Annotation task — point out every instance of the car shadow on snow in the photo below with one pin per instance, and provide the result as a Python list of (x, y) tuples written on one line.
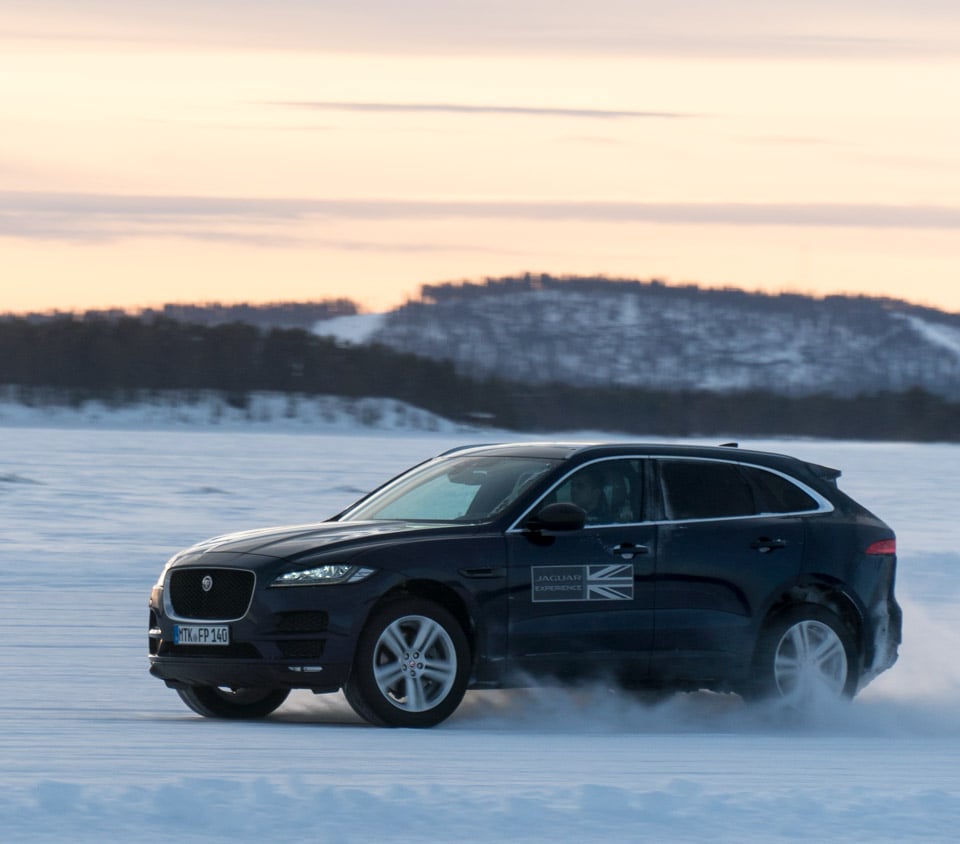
[(584, 710), (605, 710)]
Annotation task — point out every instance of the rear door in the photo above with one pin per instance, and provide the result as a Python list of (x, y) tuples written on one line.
[(730, 541)]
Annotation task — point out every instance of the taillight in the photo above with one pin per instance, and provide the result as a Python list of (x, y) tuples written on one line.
[(883, 546)]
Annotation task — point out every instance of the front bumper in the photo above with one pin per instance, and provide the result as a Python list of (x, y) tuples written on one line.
[(287, 638), (241, 674)]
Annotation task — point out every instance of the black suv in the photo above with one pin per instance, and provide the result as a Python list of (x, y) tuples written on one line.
[(649, 566)]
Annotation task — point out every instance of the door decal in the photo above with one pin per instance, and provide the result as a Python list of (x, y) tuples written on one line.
[(582, 583)]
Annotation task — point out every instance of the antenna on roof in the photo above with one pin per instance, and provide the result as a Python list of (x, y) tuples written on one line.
[(729, 445)]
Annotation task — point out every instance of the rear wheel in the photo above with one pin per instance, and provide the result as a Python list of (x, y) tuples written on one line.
[(806, 656), (412, 666), (216, 702)]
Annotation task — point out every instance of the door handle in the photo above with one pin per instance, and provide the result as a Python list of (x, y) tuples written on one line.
[(627, 550), (483, 572), (765, 545)]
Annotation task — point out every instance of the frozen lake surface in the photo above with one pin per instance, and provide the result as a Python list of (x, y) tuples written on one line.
[(93, 749)]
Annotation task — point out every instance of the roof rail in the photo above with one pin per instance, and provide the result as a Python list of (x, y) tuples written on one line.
[(457, 448)]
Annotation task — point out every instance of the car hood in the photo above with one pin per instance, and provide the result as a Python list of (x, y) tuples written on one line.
[(289, 541)]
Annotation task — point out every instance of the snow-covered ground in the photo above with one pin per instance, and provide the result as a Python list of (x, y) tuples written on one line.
[(92, 749)]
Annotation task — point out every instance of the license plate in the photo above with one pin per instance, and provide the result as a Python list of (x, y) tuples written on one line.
[(201, 634)]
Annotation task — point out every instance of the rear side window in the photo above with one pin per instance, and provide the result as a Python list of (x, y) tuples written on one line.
[(775, 494), (695, 489), (702, 489)]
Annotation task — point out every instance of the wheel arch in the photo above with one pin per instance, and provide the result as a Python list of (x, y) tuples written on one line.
[(829, 595), (440, 594)]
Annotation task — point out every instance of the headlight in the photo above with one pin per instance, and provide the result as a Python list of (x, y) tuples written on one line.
[(323, 575)]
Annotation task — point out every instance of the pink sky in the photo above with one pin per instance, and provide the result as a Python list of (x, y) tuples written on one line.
[(301, 150)]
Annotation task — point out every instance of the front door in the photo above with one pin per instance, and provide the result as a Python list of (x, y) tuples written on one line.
[(581, 602)]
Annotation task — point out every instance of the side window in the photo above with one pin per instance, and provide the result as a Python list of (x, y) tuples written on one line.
[(775, 494), (701, 489), (611, 491)]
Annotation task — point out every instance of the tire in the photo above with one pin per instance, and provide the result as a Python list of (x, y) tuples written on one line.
[(806, 656), (214, 702), (412, 666)]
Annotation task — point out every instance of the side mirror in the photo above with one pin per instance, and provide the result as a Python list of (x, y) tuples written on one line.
[(560, 516)]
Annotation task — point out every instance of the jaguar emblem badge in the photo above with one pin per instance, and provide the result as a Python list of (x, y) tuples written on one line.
[(207, 583)]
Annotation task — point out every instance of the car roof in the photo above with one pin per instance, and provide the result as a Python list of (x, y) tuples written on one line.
[(585, 451), (571, 448)]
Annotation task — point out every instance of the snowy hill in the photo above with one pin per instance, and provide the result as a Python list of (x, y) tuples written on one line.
[(210, 409), (646, 334)]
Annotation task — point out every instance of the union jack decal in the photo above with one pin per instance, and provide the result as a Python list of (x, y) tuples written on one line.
[(610, 583), (582, 583)]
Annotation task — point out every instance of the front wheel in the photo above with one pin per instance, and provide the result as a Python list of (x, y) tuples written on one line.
[(806, 656), (412, 666), (215, 702)]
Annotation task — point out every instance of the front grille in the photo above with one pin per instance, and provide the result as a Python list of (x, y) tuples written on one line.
[(227, 597)]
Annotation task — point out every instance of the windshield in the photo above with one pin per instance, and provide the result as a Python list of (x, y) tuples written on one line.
[(453, 489)]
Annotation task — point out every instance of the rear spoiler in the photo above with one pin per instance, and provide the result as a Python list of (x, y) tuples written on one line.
[(825, 473)]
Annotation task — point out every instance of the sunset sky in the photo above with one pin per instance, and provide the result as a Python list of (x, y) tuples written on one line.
[(219, 150)]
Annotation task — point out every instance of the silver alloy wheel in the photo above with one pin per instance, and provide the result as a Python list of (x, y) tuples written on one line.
[(415, 663), (810, 664)]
